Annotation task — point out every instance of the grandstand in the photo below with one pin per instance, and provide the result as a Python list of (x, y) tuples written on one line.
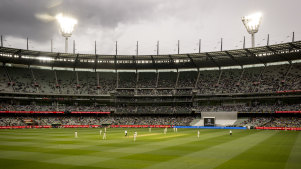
[(247, 81)]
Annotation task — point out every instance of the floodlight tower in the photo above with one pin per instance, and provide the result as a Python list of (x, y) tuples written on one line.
[(66, 27), (252, 23)]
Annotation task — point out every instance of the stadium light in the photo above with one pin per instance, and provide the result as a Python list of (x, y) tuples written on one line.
[(252, 23), (66, 27), (42, 58)]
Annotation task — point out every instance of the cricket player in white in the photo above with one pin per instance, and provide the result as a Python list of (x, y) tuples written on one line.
[(198, 133), (75, 134), (125, 133), (105, 129), (100, 132), (230, 132), (135, 135), (150, 129), (104, 137)]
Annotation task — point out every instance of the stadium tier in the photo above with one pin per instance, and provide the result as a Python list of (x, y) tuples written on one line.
[(267, 79), (83, 89)]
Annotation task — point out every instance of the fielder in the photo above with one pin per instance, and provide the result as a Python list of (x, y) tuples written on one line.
[(165, 130), (75, 134), (104, 137), (135, 135)]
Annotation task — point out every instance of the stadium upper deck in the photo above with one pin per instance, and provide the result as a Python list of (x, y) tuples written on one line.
[(258, 55)]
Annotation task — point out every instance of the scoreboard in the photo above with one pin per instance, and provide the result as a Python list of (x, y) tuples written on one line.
[(209, 121)]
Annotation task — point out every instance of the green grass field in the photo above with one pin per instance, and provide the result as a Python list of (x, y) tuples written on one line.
[(57, 148)]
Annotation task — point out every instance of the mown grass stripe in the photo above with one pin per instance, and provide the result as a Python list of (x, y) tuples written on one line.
[(145, 156), (59, 154), (216, 155), (59, 149), (294, 160), (142, 147), (13, 163), (176, 151), (276, 151), (122, 154)]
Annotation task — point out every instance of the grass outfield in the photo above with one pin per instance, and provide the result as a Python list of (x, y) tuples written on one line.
[(57, 148)]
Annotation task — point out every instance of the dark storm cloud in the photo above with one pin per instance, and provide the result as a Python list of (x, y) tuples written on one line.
[(108, 13), (17, 17), (147, 21)]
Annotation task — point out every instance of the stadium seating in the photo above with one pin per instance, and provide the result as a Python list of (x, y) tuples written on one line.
[(23, 80), (167, 80), (147, 80), (208, 81), (149, 93), (127, 80), (272, 122), (46, 81), (97, 120), (5, 83), (187, 79), (248, 80)]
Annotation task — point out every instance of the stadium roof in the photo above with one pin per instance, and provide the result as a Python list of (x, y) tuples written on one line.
[(258, 55)]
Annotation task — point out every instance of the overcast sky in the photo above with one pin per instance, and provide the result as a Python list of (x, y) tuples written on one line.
[(147, 21)]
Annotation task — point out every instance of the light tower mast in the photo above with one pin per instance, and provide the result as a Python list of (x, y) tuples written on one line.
[(66, 27), (252, 23)]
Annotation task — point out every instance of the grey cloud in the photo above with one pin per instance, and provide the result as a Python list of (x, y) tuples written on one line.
[(17, 17), (149, 20), (110, 13)]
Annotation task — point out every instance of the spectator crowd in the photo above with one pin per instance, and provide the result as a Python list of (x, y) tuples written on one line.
[(272, 122), (248, 80), (96, 120)]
